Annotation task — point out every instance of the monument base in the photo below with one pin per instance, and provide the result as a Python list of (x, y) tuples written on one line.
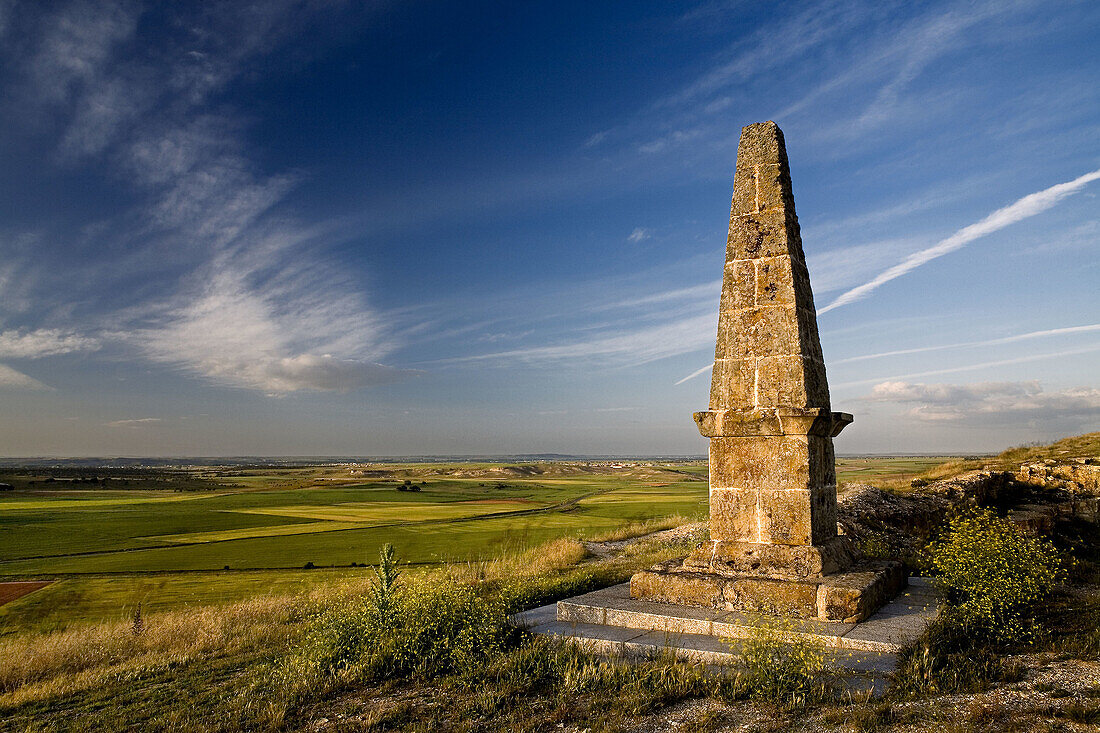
[(849, 596), (726, 557)]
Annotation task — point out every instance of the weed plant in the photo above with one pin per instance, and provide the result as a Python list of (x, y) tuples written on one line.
[(781, 666), (992, 573), (992, 576), (950, 658)]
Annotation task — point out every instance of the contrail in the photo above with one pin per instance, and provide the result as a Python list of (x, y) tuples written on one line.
[(990, 342), (695, 374), (972, 367), (965, 344), (1028, 206)]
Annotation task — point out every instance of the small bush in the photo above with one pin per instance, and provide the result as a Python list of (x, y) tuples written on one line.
[(423, 629), (992, 572), (1080, 711)]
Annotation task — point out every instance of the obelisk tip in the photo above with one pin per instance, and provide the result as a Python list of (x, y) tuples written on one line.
[(762, 144)]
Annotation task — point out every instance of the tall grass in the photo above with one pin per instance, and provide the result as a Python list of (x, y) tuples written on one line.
[(36, 666), (639, 529)]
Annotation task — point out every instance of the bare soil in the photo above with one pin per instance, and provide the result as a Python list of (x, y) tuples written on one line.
[(17, 589)]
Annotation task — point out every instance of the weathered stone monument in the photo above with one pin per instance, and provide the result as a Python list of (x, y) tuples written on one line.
[(774, 546)]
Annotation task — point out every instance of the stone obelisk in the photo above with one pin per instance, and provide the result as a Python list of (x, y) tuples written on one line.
[(774, 545)]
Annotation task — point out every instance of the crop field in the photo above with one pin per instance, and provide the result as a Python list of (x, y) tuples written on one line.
[(214, 536)]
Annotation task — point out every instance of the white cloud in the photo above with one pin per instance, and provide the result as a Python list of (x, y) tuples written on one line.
[(978, 367), (12, 379), (624, 346), (842, 267), (137, 422), (970, 344), (43, 342), (77, 43), (638, 235), (990, 402), (1019, 210), (257, 304), (694, 374), (268, 318)]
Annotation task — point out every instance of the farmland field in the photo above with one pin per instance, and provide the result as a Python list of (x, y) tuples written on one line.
[(222, 534)]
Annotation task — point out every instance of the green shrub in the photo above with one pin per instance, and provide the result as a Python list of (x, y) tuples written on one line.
[(422, 629), (992, 572)]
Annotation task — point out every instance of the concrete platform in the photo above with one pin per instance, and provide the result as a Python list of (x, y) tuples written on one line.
[(895, 624), (609, 621)]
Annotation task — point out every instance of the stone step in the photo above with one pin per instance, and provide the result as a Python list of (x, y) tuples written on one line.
[(631, 643), (896, 624)]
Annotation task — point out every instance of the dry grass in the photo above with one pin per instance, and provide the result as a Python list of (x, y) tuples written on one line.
[(638, 529), (553, 556), (37, 666), (1078, 446)]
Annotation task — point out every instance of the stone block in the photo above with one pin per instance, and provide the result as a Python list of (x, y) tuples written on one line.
[(760, 234), (790, 381), (773, 187), (765, 462), (822, 462), (786, 517), (776, 597), (774, 282), (848, 597), (738, 423), (731, 558), (764, 331), (823, 512), (854, 596), (739, 285), (809, 341), (733, 383), (800, 279), (689, 589), (761, 143), (744, 191), (734, 514)]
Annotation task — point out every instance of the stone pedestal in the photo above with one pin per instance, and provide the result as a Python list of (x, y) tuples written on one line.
[(774, 545)]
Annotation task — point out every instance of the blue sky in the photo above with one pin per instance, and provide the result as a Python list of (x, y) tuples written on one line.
[(324, 228)]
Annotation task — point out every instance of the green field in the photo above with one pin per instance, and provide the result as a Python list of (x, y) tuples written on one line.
[(222, 535)]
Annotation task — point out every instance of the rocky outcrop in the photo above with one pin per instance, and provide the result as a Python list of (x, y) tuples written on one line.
[(1079, 475), (887, 524)]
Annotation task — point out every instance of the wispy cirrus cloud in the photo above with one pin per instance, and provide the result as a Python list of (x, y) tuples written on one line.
[(43, 342), (253, 319), (978, 366), (14, 379), (624, 346), (1066, 331), (136, 422), (253, 300)]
